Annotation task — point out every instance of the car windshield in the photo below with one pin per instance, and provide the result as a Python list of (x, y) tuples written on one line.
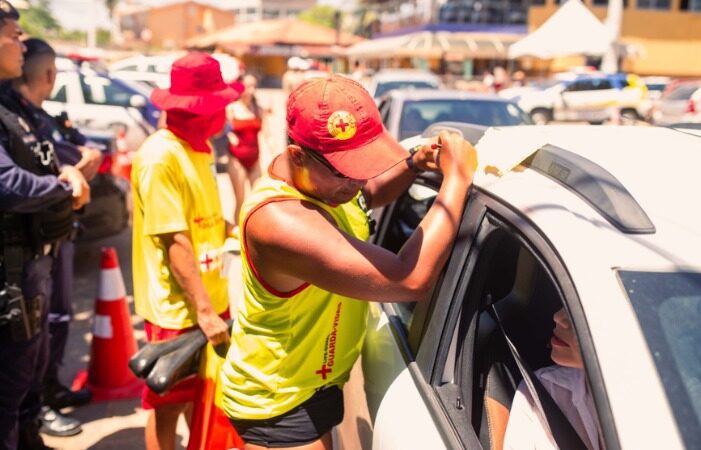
[(386, 86), (419, 114), (668, 307), (682, 92)]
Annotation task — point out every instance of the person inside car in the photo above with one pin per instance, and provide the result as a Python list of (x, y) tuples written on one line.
[(566, 382), (308, 270)]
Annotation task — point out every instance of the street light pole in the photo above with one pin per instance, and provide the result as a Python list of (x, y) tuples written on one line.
[(92, 30), (614, 19)]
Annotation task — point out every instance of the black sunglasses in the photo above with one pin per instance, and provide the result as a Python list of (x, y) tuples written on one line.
[(324, 162)]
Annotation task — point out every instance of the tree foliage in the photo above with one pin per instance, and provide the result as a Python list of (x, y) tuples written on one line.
[(319, 15), (38, 20)]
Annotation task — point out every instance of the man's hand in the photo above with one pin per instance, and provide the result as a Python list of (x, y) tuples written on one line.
[(455, 156), (89, 162), (81, 190), (214, 327)]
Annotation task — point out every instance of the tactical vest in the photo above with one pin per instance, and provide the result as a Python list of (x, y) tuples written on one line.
[(36, 156)]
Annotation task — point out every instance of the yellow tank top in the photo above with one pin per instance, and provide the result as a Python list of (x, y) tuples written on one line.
[(285, 346)]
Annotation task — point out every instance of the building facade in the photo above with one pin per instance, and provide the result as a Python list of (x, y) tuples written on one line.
[(255, 10)]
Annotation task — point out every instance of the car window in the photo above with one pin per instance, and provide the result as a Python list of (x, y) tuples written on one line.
[(419, 114), (400, 222), (386, 86), (132, 68), (103, 91), (384, 108), (681, 92), (668, 307), (59, 94)]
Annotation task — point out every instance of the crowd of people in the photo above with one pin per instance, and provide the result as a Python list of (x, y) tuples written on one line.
[(303, 224)]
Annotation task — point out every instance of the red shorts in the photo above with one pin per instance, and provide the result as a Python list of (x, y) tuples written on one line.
[(185, 390)]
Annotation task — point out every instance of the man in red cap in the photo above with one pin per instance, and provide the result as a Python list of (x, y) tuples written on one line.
[(179, 230), (307, 263)]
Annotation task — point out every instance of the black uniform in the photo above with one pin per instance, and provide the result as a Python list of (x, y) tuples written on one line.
[(36, 215)]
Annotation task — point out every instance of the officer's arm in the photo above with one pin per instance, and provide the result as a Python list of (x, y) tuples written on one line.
[(24, 192)]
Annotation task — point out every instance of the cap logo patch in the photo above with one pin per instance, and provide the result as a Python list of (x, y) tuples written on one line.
[(342, 125)]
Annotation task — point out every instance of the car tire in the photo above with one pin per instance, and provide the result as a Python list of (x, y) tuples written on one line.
[(629, 117), (541, 116)]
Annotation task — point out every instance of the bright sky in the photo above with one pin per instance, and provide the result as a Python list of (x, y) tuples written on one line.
[(72, 14)]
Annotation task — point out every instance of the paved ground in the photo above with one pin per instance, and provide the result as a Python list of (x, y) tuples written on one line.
[(119, 424)]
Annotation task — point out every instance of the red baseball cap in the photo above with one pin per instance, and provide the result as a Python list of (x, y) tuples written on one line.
[(196, 86), (336, 117)]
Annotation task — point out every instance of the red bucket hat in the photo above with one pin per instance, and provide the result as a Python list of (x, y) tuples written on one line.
[(337, 117), (196, 86)]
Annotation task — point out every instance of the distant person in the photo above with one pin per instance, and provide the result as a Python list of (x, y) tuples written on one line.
[(358, 72), (501, 79), (567, 384), (294, 75), (35, 85), (309, 270), (246, 119), (179, 229)]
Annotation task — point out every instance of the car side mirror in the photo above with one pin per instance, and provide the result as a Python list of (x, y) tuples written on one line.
[(137, 101)]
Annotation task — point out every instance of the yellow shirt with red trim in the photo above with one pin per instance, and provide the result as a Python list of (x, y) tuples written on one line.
[(287, 345), (175, 190)]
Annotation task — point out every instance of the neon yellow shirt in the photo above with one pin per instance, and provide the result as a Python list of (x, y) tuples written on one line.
[(175, 190), (287, 345)]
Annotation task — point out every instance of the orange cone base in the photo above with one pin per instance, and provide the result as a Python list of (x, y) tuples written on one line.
[(132, 389)]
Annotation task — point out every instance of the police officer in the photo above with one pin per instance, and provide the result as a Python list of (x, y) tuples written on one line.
[(33, 88), (36, 199)]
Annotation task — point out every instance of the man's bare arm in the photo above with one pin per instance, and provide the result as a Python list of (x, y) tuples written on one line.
[(291, 243), (183, 265)]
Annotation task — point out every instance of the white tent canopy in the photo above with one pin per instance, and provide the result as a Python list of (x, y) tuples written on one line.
[(572, 30)]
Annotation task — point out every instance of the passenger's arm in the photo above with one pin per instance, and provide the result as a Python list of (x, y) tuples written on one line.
[(290, 244), (183, 265)]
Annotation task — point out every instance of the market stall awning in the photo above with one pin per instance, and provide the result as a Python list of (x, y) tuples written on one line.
[(278, 32), (572, 30), (436, 44)]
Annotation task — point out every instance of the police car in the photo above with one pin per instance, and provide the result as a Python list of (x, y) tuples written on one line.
[(602, 221)]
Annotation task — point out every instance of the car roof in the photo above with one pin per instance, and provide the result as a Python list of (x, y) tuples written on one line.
[(441, 94), (656, 166), (404, 74)]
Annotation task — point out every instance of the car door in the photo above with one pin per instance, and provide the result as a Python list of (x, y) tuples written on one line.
[(589, 99), (66, 96), (513, 267), (426, 365), (398, 355)]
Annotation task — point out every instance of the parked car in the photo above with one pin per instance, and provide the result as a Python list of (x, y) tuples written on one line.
[(680, 103), (579, 225), (593, 98), (154, 70), (407, 113), (107, 213), (389, 79), (94, 100)]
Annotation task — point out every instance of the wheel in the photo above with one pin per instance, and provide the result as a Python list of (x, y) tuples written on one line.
[(629, 117), (540, 116)]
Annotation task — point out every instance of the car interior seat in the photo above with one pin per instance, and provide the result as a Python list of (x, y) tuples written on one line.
[(526, 300)]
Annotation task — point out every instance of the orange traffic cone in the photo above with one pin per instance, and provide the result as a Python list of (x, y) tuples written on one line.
[(113, 343), (122, 165)]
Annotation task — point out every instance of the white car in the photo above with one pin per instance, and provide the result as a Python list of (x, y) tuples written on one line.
[(593, 98), (388, 79), (155, 70), (601, 220), (94, 100)]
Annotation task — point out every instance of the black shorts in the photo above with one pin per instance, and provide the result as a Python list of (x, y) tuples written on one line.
[(302, 425)]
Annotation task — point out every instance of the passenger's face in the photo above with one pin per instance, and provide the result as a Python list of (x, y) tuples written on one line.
[(565, 348), (11, 50)]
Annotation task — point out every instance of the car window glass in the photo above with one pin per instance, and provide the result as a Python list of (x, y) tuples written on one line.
[(417, 115), (384, 108), (682, 93), (409, 209), (59, 93), (668, 307), (131, 68), (103, 91)]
